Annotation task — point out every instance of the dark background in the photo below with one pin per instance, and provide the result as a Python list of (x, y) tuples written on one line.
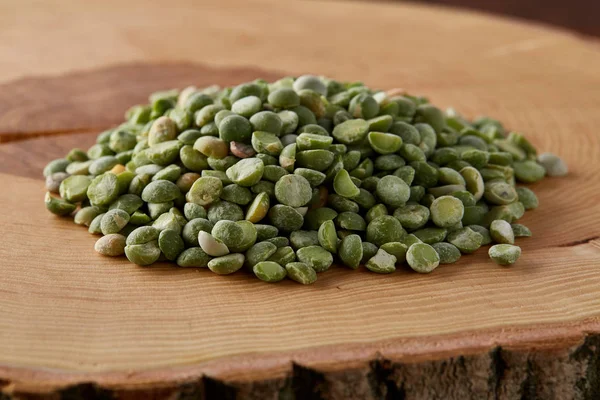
[(582, 16)]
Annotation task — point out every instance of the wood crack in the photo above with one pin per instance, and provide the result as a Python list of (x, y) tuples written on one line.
[(96, 98), (13, 137), (579, 242), (85, 391), (383, 386), (307, 383), (497, 367), (216, 389), (528, 386)]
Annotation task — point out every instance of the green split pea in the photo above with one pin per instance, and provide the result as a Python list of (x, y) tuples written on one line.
[(286, 179)]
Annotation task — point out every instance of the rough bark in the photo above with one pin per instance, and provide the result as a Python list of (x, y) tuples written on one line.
[(502, 374)]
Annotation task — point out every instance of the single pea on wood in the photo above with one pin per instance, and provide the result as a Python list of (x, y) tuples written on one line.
[(291, 177)]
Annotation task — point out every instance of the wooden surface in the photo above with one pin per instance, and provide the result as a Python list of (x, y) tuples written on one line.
[(76, 325), (579, 18)]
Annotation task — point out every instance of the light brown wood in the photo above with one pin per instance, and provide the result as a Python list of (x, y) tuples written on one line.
[(471, 330), (88, 101)]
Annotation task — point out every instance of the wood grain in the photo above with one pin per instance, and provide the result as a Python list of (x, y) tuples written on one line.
[(96, 100), (76, 325)]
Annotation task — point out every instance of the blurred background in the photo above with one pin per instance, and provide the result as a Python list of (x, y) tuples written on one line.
[(581, 16)]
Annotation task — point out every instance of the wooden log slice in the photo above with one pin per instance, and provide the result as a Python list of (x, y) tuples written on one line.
[(76, 325)]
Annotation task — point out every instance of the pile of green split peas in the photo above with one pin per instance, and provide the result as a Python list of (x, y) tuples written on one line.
[(285, 178)]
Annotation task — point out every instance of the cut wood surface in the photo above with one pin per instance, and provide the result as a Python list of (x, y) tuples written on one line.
[(74, 324)]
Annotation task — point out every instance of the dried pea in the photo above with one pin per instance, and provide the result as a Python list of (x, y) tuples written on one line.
[(527, 197), (502, 232), (343, 185), (236, 194), (484, 232), (247, 106), (316, 257), (58, 206), (224, 210), (264, 186), (171, 244), (235, 128), (74, 188), (473, 181), (227, 264), (112, 245), (368, 249), (205, 191), (212, 246), (54, 166), (94, 227), (384, 229), (301, 273), (283, 255), (363, 106), (406, 173), (446, 211), (143, 254), (300, 239), (351, 251), (241, 150), (431, 235), (259, 252), (520, 230), (327, 236), (264, 232), (290, 121), (284, 98), (422, 258), (528, 171), (246, 172), (221, 164), (465, 239), (351, 131), (170, 220), (310, 82), (113, 221), (389, 162), (412, 216), (396, 249), (186, 181), (374, 212), (286, 218), (426, 175), (160, 192), (318, 159), (553, 165), (229, 233), (393, 191), (448, 253), (293, 190), (103, 190), (139, 218), (269, 271), (54, 180), (155, 210), (211, 147), (498, 192), (86, 215), (382, 262), (384, 143), (504, 254)]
